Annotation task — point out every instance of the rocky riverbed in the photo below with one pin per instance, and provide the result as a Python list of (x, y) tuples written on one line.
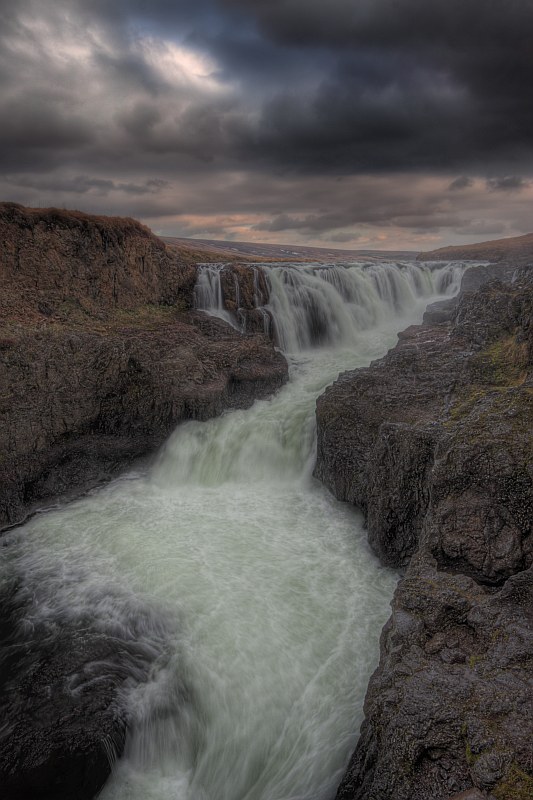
[(435, 443)]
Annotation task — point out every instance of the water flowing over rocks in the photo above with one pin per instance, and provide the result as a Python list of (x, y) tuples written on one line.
[(62, 681), (102, 353), (304, 306), (434, 442)]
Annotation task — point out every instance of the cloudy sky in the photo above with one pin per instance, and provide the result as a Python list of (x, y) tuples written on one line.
[(356, 123)]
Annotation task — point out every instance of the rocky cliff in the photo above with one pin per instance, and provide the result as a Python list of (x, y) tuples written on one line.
[(435, 443), (100, 354)]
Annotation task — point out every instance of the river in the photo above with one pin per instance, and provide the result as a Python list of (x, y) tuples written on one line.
[(257, 591)]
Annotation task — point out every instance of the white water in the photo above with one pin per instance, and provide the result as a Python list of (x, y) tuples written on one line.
[(254, 589), (208, 294)]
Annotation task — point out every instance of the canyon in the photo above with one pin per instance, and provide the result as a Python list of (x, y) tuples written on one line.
[(109, 338)]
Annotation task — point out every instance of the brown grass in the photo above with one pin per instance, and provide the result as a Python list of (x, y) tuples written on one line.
[(515, 247)]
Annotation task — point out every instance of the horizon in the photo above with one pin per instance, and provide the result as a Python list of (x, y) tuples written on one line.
[(386, 126), (260, 243), (338, 249)]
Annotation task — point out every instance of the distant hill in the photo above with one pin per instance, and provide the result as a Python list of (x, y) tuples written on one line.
[(253, 251), (516, 248)]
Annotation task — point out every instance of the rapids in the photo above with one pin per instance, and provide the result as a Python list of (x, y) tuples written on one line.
[(257, 593)]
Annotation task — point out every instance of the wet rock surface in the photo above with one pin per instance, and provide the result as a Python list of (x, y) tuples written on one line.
[(244, 289), (63, 682), (435, 443)]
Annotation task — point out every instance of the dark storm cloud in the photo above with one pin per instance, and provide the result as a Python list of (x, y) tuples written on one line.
[(456, 78), (508, 183), (108, 99), (462, 182), (368, 86), (81, 184), (345, 22)]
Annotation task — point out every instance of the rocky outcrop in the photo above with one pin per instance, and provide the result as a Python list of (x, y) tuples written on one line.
[(77, 405), (54, 263), (474, 278), (245, 291), (100, 356), (61, 684), (435, 443), (450, 707)]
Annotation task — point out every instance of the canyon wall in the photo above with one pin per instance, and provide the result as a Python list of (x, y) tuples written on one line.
[(435, 443), (101, 354)]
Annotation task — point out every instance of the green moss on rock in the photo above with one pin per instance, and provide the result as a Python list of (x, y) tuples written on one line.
[(517, 785)]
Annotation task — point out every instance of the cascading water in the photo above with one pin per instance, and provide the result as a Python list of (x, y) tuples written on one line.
[(254, 588), (318, 305), (208, 294)]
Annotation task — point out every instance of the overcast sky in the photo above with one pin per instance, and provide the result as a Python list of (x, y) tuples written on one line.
[(355, 123)]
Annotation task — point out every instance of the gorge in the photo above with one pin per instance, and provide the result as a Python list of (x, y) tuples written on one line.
[(215, 612)]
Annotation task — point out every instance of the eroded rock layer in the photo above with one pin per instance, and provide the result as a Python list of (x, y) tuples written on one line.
[(435, 443)]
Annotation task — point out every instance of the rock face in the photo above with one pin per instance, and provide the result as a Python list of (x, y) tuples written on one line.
[(99, 355), (62, 723), (66, 673), (243, 289), (54, 261), (435, 443)]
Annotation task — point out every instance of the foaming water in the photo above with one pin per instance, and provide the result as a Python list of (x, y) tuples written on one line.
[(327, 304), (253, 589)]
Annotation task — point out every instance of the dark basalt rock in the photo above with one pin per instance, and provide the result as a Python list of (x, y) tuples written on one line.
[(451, 705), (62, 688), (244, 290), (79, 405), (435, 437), (435, 443), (440, 311)]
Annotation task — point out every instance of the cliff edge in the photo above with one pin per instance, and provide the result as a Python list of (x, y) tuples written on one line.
[(435, 443)]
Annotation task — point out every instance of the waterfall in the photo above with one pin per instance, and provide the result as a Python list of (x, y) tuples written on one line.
[(258, 294), (255, 590), (316, 305), (208, 295)]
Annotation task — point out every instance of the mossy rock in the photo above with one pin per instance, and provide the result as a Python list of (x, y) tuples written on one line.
[(517, 785)]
